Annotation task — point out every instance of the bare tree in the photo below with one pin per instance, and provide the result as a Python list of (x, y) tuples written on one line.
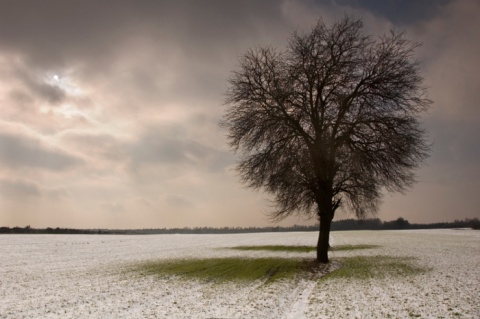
[(331, 121)]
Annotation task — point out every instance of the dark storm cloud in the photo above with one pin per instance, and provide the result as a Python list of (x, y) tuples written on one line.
[(453, 74), (55, 33), (17, 151), (399, 12)]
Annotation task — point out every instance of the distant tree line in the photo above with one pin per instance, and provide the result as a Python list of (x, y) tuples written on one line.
[(400, 223), (340, 225), (57, 230)]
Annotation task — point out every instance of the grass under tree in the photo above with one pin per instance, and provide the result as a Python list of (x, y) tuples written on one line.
[(271, 269), (302, 249), (228, 269)]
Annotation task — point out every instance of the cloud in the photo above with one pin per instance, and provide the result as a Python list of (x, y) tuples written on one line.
[(19, 151), (452, 74), (167, 146), (171, 145), (40, 87), (399, 12), (177, 200), (450, 59), (134, 112), (18, 189), (54, 33), (32, 97), (113, 207), (58, 193), (96, 145)]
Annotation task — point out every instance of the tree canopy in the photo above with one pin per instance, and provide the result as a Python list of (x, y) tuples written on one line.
[(328, 122)]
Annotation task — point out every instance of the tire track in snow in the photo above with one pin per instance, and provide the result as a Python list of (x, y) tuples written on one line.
[(305, 287), (300, 305)]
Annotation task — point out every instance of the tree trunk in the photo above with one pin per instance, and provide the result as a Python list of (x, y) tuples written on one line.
[(324, 239)]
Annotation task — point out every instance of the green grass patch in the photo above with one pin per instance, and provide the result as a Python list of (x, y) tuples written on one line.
[(230, 269), (227, 269), (352, 247), (303, 249), (366, 267), (280, 248)]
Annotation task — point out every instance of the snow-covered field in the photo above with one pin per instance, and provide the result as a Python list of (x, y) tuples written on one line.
[(83, 276)]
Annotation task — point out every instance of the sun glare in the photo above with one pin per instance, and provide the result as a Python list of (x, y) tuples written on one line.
[(64, 82)]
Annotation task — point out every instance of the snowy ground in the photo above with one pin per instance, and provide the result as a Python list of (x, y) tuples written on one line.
[(83, 276)]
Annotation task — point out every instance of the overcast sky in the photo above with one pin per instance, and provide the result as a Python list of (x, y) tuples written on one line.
[(109, 110)]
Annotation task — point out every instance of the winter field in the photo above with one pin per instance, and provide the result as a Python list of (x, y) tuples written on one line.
[(89, 276)]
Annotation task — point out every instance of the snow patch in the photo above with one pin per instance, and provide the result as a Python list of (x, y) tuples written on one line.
[(85, 276)]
